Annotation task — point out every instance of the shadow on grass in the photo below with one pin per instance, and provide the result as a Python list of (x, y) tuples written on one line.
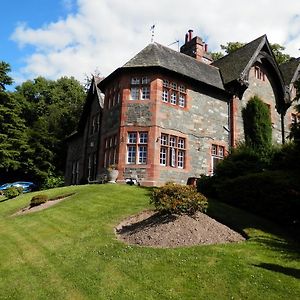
[(279, 269), (272, 236), (4, 200), (152, 221)]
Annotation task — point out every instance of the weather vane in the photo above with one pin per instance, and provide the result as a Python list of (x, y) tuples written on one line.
[(152, 32)]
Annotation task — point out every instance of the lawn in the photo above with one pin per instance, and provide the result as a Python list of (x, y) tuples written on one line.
[(69, 251)]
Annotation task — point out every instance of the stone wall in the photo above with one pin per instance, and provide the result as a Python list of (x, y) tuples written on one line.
[(264, 90)]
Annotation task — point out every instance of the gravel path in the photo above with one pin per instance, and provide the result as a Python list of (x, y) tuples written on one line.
[(168, 231)]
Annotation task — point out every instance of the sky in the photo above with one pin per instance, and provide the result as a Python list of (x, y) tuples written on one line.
[(55, 38)]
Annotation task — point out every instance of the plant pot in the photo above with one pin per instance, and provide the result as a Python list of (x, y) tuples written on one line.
[(112, 176)]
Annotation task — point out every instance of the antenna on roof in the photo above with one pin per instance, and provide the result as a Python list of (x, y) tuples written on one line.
[(176, 42), (152, 32)]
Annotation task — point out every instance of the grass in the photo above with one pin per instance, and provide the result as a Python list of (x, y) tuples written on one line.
[(69, 251)]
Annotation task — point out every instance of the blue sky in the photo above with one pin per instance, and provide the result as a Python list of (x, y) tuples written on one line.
[(54, 38)]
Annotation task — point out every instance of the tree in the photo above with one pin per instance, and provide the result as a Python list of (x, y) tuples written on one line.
[(257, 124), (5, 79), (13, 135), (51, 110), (230, 47)]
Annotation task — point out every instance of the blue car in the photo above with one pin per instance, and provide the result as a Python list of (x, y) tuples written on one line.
[(25, 185), (4, 187)]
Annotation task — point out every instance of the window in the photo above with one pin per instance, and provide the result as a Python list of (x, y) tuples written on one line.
[(140, 88), (112, 96), (217, 154), (172, 151), (137, 148), (92, 166), (165, 95), (295, 118), (110, 151), (95, 124), (173, 93), (259, 74), (75, 172)]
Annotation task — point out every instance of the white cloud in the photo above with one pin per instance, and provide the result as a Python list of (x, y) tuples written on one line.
[(104, 34)]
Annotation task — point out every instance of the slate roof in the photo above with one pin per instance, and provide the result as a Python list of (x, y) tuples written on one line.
[(157, 55), (233, 65), (289, 69)]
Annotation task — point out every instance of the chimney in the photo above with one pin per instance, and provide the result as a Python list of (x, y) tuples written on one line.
[(195, 48), (190, 33)]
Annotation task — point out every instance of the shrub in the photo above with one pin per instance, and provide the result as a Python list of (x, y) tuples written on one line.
[(178, 199), (38, 199), (53, 181), (12, 192), (257, 124), (274, 195), (207, 185)]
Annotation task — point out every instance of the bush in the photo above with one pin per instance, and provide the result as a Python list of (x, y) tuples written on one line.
[(244, 160), (38, 199), (53, 181), (207, 185), (12, 192), (178, 199), (274, 195)]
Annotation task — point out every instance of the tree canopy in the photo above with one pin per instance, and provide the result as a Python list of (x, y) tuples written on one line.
[(35, 120), (230, 47)]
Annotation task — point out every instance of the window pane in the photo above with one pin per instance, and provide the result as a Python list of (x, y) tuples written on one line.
[(174, 85), (181, 143), (173, 99), (145, 80), (164, 139), (214, 150), (131, 137), (181, 101), (142, 154), (180, 162), (134, 93), (131, 153), (172, 141), (145, 92), (135, 80), (163, 156), (166, 83), (165, 95), (143, 137), (173, 157)]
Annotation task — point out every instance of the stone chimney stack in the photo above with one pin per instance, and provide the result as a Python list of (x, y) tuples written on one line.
[(195, 48)]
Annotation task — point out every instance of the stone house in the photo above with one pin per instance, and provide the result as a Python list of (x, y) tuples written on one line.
[(169, 116)]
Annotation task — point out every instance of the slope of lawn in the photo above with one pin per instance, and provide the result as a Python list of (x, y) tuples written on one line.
[(69, 251)]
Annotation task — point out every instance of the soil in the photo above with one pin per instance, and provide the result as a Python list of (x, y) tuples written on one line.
[(28, 209), (152, 229)]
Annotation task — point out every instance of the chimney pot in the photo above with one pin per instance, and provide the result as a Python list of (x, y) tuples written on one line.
[(190, 34), (205, 47), (186, 38)]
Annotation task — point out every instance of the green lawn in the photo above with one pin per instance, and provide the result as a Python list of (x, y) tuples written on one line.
[(69, 251)]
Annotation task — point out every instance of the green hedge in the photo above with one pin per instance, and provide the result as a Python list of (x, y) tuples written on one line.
[(270, 194)]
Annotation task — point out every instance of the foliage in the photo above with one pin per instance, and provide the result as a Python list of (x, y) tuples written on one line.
[(257, 124), (178, 199), (34, 122), (38, 200), (230, 47), (270, 194), (5, 79), (12, 192), (53, 181)]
